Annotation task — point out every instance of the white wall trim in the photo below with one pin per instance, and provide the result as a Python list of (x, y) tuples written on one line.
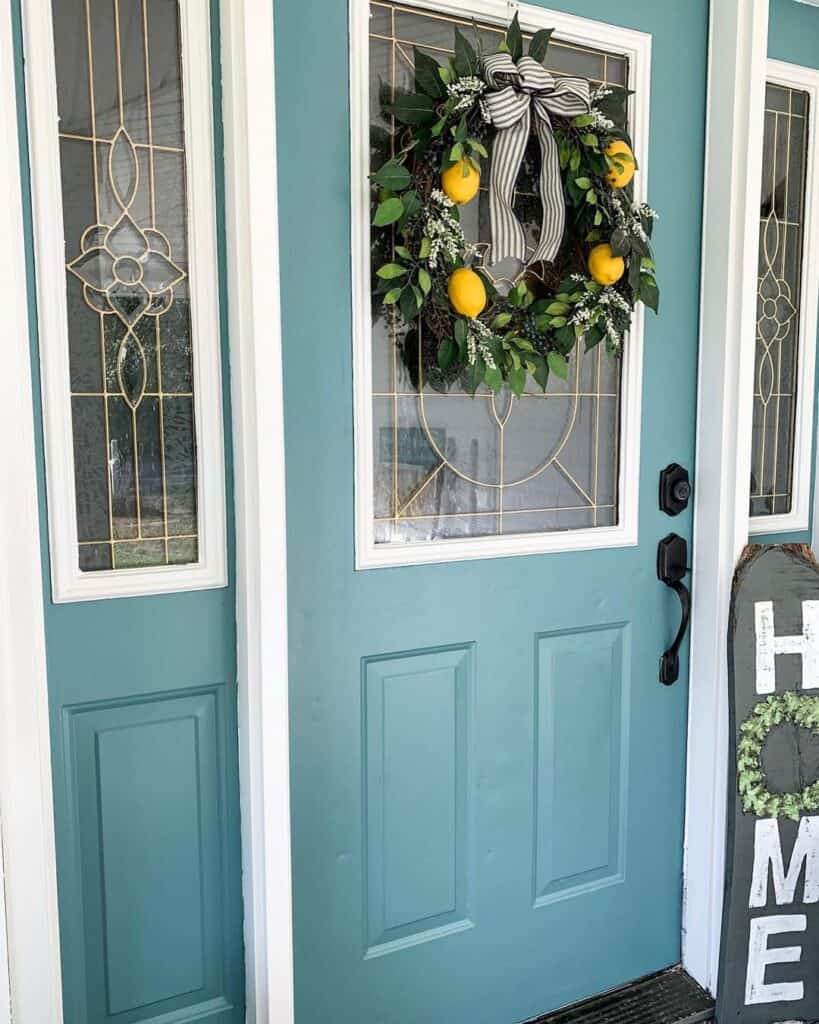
[(805, 79), (5, 981), (258, 436), (637, 47), (68, 582), (738, 42), (26, 809)]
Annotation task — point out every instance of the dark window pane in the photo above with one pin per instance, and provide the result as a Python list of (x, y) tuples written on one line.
[(442, 467), (778, 301), (122, 139)]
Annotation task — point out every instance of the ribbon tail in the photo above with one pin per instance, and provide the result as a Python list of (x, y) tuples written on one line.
[(508, 238), (551, 195)]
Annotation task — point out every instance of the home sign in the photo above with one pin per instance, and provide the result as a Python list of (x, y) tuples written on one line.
[(769, 971)]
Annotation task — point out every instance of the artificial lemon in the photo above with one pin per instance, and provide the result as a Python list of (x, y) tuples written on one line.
[(604, 266), (467, 292), (461, 182), (615, 178)]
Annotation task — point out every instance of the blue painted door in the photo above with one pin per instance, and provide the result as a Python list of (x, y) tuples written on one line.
[(142, 690), (487, 778)]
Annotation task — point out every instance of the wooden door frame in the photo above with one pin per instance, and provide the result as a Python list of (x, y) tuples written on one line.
[(738, 43)]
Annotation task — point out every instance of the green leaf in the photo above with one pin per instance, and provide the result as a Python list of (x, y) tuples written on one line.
[(446, 75), (447, 353), (593, 337), (426, 246), (388, 212), (475, 374), (478, 148), (425, 281), (438, 127), (649, 292), (461, 332), (583, 183), (412, 204), (391, 270), (493, 378), (460, 131), (456, 153), (466, 60), (558, 321), (574, 160), (590, 140), (501, 320), (413, 109), (591, 197), (392, 296), (514, 39), (403, 252), (539, 43), (634, 276), (619, 242), (427, 75), (558, 365), (393, 176), (598, 217), (583, 120), (557, 307), (541, 373), (565, 338), (517, 380), (408, 304)]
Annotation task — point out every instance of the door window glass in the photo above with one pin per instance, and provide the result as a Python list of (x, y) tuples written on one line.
[(777, 364), (122, 158), (447, 465)]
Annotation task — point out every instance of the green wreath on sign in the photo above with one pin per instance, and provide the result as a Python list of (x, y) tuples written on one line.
[(757, 799)]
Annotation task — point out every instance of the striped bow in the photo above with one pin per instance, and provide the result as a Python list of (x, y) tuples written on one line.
[(516, 90)]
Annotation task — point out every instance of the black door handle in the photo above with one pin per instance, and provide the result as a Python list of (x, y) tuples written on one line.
[(672, 565)]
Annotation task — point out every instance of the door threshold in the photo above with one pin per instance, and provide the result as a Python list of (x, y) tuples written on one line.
[(669, 997)]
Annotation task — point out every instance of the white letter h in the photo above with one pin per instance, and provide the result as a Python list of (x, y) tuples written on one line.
[(768, 645)]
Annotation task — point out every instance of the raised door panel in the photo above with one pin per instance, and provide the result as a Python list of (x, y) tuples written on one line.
[(148, 778)]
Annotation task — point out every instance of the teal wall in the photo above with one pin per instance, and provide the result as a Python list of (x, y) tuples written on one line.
[(793, 36)]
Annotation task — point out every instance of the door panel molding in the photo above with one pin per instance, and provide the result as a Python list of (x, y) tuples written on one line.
[(26, 807), (68, 581), (636, 46), (738, 41)]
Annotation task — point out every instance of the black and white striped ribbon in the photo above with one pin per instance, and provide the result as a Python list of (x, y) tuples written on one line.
[(516, 91)]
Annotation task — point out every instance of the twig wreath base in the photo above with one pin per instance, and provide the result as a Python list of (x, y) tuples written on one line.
[(800, 710), (561, 155)]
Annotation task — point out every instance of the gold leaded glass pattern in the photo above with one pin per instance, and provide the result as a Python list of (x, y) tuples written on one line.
[(447, 464), (780, 271), (122, 152)]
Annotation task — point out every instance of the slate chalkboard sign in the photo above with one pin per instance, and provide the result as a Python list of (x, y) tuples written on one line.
[(769, 972)]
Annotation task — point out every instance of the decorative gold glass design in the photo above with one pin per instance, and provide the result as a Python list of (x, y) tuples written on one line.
[(778, 295), (122, 150), (447, 464)]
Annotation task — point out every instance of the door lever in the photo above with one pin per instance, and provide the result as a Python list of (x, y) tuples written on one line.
[(672, 565)]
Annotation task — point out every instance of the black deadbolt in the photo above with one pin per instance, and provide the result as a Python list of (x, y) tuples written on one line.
[(675, 489)]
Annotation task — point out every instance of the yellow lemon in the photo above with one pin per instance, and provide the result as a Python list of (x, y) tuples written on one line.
[(459, 186), (615, 178), (466, 292), (605, 267)]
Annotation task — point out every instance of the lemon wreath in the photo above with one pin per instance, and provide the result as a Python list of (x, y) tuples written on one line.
[(592, 262)]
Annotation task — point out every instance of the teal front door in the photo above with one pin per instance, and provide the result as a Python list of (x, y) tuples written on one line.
[(487, 776), (122, 110)]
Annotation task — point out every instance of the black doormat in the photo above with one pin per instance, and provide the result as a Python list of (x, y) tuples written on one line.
[(671, 997)]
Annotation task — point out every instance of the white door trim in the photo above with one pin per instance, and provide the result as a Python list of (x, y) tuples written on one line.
[(738, 42), (249, 111), (26, 808)]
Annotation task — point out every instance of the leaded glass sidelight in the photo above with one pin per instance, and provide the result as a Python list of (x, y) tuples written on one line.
[(124, 204), (777, 365), (447, 465)]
